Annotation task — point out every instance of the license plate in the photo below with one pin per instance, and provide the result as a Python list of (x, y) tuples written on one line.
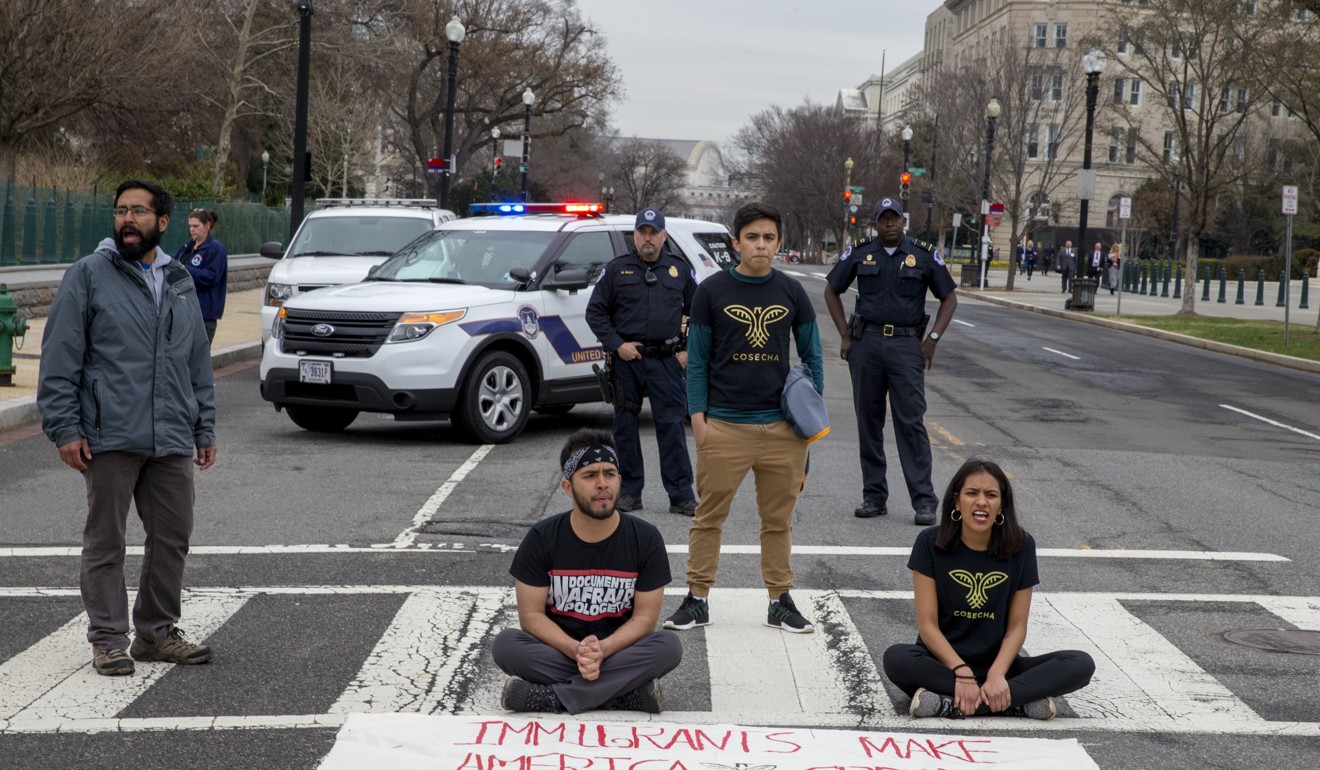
[(315, 372)]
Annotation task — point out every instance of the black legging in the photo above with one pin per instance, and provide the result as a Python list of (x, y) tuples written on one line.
[(910, 666)]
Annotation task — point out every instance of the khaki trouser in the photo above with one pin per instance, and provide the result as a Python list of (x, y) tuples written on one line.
[(778, 458)]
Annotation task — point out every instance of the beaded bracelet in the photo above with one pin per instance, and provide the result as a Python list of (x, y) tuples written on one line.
[(961, 665)]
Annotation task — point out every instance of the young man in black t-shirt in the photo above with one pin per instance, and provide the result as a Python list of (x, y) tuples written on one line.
[(738, 358), (589, 585)]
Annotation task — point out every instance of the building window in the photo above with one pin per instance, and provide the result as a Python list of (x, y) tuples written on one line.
[(1134, 93), (1123, 40), (1116, 145), (1131, 146), (1056, 87), (1189, 96), (1033, 141), (1243, 96), (1060, 35), (1186, 94), (1120, 90), (1055, 136), (1170, 153), (1037, 87), (1038, 39)]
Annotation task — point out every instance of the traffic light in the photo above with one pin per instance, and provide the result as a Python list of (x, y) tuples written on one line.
[(904, 185), (499, 163), (847, 195)]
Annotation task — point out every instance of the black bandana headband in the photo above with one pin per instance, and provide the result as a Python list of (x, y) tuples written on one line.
[(589, 455)]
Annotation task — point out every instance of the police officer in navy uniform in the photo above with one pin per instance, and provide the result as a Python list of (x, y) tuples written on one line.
[(637, 311), (886, 354)]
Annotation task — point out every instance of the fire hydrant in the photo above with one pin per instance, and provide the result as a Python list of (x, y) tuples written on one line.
[(12, 325)]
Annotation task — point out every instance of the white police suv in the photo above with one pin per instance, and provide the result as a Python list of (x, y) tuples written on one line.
[(339, 242), (479, 322)]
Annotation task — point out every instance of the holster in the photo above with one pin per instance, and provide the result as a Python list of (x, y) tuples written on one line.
[(856, 326), (605, 379)]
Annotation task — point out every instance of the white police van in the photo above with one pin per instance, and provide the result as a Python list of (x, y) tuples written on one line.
[(479, 322), (339, 242)]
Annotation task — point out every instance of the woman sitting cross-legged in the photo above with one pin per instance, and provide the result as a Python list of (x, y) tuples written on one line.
[(972, 578)]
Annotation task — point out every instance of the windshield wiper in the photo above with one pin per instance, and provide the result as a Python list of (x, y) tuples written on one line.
[(431, 280), (375, 254), (318, 254)]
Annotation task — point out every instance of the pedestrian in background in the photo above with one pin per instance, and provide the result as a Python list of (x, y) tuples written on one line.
[(1030, 258), (1113, 271), (887, 355), (126, 394), (637, 311), (589, 585), (738, 343), (1048, 258), (1067, 265), (208, 264), (1097, 261), (972, 580)]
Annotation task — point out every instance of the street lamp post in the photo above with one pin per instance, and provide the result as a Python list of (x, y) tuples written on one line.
[(454, 32), (528, 99), (907, 148), (1093, 64), (265, 166), (992, 111), (847, 185), (494, 160), (305, 11)]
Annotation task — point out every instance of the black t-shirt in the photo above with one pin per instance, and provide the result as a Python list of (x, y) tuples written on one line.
[(591, 584), (891, 288), (751, 336), (973, 590)]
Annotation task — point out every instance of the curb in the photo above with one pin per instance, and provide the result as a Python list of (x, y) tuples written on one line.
[(18, 412), (1278, 359)]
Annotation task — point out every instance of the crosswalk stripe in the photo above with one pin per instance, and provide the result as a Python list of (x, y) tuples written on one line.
[(1140, 676), (1301, 611), (78, 692), (435, 636)]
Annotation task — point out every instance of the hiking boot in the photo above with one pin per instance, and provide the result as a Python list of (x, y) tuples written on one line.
[(928, 704), (784, 615), (112, 662), (648, 698), (628, 504), (925, 517), (685, 508), (1036, 709), (522, 695), (870, 509), (175, 649), (691, 613)]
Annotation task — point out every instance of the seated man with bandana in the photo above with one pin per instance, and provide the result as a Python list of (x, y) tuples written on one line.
[(589, 584)]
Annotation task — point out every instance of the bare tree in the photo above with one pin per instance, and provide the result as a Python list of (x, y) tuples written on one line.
[(646, 173)]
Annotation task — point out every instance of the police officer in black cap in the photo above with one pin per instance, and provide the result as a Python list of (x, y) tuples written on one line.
[(637, 311), (886, 354)]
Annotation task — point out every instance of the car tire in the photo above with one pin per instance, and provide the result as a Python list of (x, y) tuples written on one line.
[(495, 400), (321, 419)]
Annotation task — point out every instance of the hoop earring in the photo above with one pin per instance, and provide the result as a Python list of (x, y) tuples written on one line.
[(953, 517), (999, 520)]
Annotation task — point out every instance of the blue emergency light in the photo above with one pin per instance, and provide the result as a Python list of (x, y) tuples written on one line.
[(515, 209)]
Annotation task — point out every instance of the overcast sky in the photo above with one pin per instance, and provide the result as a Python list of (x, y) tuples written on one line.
[(699, 69)]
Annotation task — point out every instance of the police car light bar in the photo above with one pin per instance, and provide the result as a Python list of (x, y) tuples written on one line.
[(516, 209), (414, 202)]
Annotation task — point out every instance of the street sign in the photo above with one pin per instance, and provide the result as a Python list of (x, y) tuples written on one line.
[(1124, 208), (996, 215), (1086, 184), (957, 220), (918, 171), (513, 148), (1289, 199), (857, 188), (435, 165), (857, 198), (852, 209)]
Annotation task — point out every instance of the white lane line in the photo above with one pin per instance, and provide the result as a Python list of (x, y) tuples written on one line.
[(428, 509), (81, 693), (1065, 355), (52, 659), (1142, 676), (676, 548), (1271, 422), (432, 645), (1301, 611), (964, 323)]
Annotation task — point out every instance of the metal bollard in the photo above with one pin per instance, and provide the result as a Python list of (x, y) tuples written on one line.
[(1306, 280), (1242, 278), (1223, 278), (1168, 273), (12, 326), (1205, 292), (1177, 284), (1144, 270), (1260, 287), (1283, 281)]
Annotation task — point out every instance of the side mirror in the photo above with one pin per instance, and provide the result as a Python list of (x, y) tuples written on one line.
[(373, 270), (272, 250), (567, 280), (521, 274)]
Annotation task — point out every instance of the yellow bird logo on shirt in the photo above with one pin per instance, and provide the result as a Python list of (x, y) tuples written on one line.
[(756, 319), (977, 584)]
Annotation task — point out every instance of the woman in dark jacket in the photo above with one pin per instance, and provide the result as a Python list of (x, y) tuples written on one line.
[(208, 264)]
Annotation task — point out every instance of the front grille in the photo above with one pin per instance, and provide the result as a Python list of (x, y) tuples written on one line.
[(306, 287), (355, 335)]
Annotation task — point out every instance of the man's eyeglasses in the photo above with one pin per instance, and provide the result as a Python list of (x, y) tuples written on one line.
[(137, 211)]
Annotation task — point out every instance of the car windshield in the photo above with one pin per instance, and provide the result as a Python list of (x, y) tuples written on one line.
[(360, 236), (482, 257)]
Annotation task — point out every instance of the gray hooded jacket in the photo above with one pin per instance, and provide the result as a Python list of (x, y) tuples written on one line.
[(120, 373)]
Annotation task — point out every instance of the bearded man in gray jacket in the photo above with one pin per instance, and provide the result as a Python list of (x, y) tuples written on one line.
[(126, 394)]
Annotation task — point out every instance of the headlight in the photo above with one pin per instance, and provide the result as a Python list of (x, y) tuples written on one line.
[(414, 326), (277, 328), (277, 293)]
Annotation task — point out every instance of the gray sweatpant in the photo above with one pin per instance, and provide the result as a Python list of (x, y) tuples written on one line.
[(162, 488), (520, 654)]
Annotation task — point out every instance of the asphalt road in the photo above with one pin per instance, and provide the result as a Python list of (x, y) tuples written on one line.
[(1117, 445)]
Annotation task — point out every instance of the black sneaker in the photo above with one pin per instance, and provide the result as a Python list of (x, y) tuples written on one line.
[(1036, 709), (628, 504), (870, 509), (928, 704), (522, 695), (924, 517), (691, 613), (685, 508), (112, 662), (648, 698), (784, 615)]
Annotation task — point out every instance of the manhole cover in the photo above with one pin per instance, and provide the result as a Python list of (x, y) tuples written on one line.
[(1277, 640)]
